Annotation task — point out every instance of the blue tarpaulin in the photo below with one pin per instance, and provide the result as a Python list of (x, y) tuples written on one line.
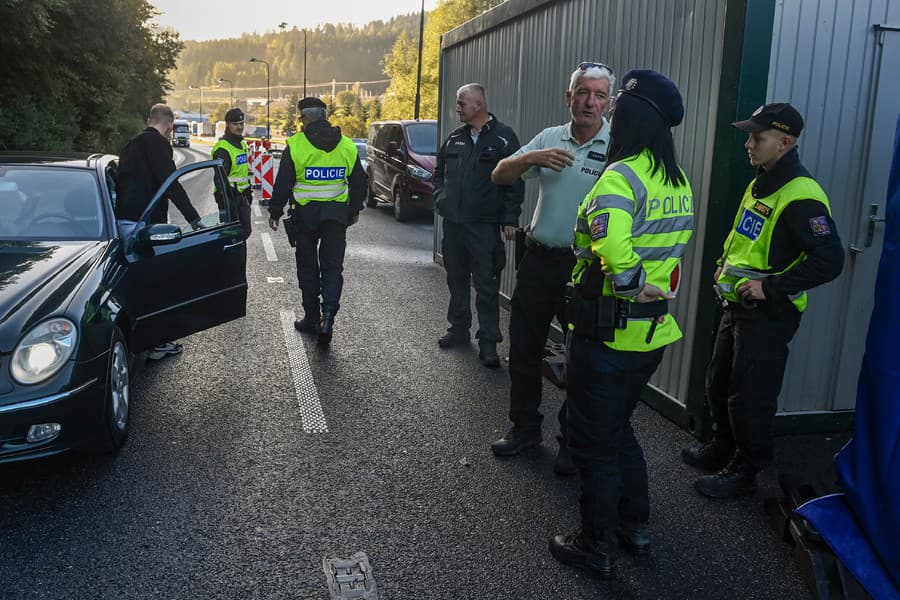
[(862, 525)]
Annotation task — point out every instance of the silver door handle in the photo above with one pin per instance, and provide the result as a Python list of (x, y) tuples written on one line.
[(873, 219), (227, 246)]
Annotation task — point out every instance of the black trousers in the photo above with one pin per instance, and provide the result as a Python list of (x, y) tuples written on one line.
[(744, 378), (603, 388), (539, 296), (320, 266), (474, 254)]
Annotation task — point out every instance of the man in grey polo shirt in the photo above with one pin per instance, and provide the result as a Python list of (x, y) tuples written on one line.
[(567, 159)]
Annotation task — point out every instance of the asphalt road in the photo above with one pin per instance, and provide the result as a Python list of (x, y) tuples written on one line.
[(229, 486)]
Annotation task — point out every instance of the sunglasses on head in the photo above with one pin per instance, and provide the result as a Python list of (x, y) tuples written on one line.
[(594, 65)]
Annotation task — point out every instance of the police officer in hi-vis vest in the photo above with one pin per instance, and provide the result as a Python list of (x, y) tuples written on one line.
[(632, 230), (320, 171), (783, 243), (232, 150)]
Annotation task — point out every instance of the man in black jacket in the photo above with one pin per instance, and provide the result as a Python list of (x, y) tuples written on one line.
[(320, 171), (144, 164), (474, 211), (783, 243)]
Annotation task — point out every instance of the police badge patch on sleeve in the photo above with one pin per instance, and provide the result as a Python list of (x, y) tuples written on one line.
[(599, 225), (819, 226)]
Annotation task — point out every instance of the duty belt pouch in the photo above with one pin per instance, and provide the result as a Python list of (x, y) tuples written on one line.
[(520, 246), (593, 319), (288, 223)]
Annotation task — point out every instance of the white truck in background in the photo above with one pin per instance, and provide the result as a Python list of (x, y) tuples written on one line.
[(181, 134)]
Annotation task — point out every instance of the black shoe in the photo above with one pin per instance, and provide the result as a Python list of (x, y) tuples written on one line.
[(578, 551), (634, 537), (710, 457), (735, 480), (564, 465), (515, 441), (326, 329), (449, 340), (307, 324), (487, 355)]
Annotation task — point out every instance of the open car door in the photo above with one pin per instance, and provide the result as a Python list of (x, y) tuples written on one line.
[(179, 280)]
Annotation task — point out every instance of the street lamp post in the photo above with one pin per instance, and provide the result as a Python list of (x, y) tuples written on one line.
[(257, 60), (231, 83), (199, 87), (419, 73), (304, 63)]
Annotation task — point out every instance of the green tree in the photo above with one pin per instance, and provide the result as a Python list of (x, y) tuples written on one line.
[(351, 125), (77, 91), (401, 63)]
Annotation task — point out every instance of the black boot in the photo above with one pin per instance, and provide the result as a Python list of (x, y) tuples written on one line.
[(515, 441), (564, 465), (579, 551), (710, 457), (738, 478), (308, 324), (634, 536), (326, 329), (450, 340), (488, 356)]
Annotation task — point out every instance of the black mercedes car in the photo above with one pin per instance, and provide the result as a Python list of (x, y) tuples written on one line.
[(81, 294)]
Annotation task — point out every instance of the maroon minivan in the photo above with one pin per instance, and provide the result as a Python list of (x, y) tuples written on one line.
[(400, 165)]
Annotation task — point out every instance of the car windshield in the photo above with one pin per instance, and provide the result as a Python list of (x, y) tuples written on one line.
[(422, 138), (182, 129), (49, 203)]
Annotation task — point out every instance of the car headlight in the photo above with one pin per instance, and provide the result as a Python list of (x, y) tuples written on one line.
[(43, 351), (418, 172)]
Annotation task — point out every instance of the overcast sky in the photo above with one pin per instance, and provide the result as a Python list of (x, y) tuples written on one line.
[(212, 19)]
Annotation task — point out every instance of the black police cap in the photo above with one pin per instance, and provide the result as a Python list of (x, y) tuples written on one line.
[(310, 102), (235, 115), (780, 116), (658, 91)]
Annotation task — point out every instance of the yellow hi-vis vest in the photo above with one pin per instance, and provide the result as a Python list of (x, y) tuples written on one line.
[(635, 224), (321, 176), (239, 176), (747, 246)]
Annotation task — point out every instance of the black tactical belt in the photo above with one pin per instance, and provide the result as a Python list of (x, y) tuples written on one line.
[(547, 251)]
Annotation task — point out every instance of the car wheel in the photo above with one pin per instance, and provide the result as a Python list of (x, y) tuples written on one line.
[(401, 211), (116, 398)]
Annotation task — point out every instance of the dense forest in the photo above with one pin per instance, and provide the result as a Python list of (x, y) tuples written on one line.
[(79, 74), (343, 52)]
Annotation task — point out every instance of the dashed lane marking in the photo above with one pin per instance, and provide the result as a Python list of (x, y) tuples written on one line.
[(307, 395), (269, 247), (274, 279)]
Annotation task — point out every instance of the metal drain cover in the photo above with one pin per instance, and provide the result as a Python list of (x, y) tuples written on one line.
[(350, 578)]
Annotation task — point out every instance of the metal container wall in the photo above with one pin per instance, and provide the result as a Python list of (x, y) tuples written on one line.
[(524, 51), (825, 59)]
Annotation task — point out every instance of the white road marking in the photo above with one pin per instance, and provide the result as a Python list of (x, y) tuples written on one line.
[(274, 279), (269, 247), (257, 211), (307, 395)]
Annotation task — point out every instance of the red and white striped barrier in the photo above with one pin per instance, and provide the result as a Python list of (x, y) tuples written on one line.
[(267, 171)]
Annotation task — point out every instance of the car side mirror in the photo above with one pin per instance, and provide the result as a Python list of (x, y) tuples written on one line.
[(159, 234)]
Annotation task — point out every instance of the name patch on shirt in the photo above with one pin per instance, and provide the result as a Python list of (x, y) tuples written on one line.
[(763, 209), (241, 159), (599, 226), (325, 173), (596, 156), (750, 225), (819, 226)]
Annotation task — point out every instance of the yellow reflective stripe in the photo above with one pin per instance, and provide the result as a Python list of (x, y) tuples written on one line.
[(312, 187), (325, 195)]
